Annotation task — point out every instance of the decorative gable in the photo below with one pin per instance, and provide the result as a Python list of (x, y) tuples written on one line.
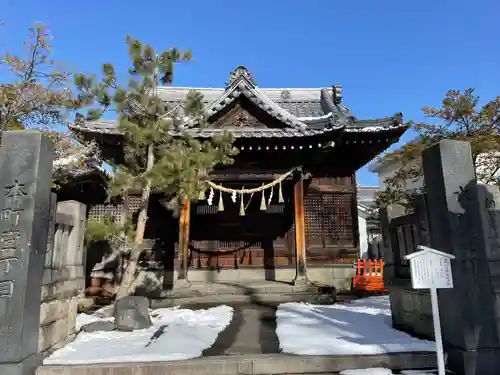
[(238, 117), (241, 88)]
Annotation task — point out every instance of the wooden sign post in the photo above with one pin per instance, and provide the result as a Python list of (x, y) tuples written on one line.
[(431, 269)]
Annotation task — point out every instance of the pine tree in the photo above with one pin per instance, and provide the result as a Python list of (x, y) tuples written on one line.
[(159, 153), (36, 94), (461, 118)]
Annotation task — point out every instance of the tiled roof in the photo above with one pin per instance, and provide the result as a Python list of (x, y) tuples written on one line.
[(301, 103), (86, 160), (110, 127), (303, 111)]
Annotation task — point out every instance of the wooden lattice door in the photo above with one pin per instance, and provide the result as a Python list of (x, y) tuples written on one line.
[(329, 220)]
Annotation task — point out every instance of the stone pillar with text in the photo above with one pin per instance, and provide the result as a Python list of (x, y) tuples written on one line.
[(25, 184), (457, 216)]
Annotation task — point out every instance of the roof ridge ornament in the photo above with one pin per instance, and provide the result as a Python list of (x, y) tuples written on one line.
[(240, 71), (337, 94)]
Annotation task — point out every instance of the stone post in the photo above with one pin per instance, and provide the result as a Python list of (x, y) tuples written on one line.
[(78, 211), (469, 324), (25, 181), (389, 252)]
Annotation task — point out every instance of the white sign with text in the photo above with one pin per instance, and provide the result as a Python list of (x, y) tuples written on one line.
[(431, 269)]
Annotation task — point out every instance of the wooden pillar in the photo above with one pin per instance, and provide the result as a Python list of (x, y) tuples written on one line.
[(300, 235), (184, 222)]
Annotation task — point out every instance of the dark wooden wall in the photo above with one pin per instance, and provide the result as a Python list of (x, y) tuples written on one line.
[(227, 240)]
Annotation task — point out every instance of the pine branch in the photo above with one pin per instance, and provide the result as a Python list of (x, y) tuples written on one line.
[(458, 118)]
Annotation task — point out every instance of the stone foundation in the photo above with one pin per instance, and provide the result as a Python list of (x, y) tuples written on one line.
[(155, 283)]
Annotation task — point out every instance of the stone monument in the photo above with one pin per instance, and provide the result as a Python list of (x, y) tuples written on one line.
[(25, 183), (131, 313), (458, 210)]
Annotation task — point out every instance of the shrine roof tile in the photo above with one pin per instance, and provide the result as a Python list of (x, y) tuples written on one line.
[(111, 127), (303, 111)]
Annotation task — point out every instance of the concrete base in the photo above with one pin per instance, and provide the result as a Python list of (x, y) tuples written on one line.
[(480, 362), (26, 367), (300, 280), (158, 283), (252, 365)]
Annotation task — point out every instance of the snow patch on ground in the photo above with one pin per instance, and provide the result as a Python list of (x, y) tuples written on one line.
[(180, 334), (362, 327)]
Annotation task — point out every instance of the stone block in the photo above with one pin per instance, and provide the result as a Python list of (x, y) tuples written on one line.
[(54, 310), (25, 181), (55, 331), (483, 362), (99, 326), (75, 250), (75, 271), (62, 289), (72, 313), (132, 313), (52, 333)]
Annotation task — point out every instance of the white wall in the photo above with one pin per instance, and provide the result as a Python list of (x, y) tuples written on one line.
[(389, 170), (363, 237), (483, 161)]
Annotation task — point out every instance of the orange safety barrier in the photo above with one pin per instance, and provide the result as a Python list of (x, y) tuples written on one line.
[(369, 275)]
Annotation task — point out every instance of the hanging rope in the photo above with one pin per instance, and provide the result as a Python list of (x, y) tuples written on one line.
[(259, 189)]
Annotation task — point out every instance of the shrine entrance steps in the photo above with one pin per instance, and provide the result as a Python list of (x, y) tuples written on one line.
[(249, 345), (246, 291)]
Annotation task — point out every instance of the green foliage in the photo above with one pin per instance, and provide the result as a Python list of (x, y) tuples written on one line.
[(180, 162), (108, 229), (159, 153), (461, 118), (37, 93), (101, 230)]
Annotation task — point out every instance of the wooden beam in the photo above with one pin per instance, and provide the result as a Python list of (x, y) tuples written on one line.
[(184, 226), (300, 235)]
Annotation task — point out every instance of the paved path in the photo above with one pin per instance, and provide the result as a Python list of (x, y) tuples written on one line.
[(252, 331)]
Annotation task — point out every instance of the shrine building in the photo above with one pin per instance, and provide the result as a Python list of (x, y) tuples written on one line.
[(286, 209)]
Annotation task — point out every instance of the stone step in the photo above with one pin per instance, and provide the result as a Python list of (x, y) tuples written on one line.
[(243, 287), (230, 299), (263, 364), (241, 292)]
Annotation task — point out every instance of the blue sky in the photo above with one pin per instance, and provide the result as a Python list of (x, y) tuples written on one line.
[(389, 55)]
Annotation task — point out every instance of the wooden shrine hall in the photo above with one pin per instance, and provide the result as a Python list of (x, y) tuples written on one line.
[(286, 208)]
